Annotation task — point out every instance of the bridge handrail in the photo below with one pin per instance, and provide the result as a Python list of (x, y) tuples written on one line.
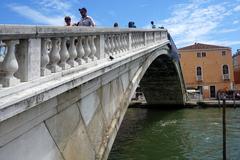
[(30, 53)]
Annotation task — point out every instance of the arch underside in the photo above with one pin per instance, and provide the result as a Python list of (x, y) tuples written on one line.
[(161, 83)]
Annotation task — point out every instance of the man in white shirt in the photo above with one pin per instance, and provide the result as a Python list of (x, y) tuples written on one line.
[(85, 20)]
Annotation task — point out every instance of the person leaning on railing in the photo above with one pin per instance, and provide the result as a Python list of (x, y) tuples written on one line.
[(85, 20)]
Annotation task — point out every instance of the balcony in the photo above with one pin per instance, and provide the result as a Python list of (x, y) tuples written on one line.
[(226, 77), (199, 78)]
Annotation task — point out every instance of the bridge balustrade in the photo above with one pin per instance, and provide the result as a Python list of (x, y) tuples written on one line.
[(31, 53)]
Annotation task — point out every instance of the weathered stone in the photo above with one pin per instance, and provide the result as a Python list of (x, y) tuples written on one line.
[(68, 131), (125, 80), (96, 129), (36, 144), (108, 109), (17, 125), (29, 55), (88, 106)]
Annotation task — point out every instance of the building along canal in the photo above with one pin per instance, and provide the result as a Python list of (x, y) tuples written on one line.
[(150, 134)]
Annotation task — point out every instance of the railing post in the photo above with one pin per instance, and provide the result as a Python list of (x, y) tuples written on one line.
[(29, 59), (100, 47), (145, 38), (129, 40), (154, 37)]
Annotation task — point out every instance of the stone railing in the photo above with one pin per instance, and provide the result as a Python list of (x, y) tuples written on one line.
[(28, 53)]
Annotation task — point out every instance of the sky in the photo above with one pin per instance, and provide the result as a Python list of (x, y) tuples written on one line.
[(188, 21)]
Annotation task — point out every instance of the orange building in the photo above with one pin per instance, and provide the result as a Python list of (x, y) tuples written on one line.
[(207, 68), (236, 67)]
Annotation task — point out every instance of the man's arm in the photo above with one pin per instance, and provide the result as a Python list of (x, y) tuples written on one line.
[(92, 22)]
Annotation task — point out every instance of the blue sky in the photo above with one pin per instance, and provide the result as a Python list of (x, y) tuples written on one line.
[(188, 21)]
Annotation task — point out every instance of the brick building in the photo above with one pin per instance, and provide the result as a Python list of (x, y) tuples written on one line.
[(207, 68), (236, 67)]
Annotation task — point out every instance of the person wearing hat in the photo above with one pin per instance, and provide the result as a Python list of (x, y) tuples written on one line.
[(85, 20)]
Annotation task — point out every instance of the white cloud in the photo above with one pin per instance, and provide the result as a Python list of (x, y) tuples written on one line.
[(237, 9), (36, 16), (236, 22), (49, 12), (222, 43), (196, 21), (229, 30), (55, 4)]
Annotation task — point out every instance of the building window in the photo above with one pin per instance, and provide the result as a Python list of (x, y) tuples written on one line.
[(199, 74), (203, 54), (199, 71), (199, 54), (225, 69), (225, 72), (179, 55), (223, 53)]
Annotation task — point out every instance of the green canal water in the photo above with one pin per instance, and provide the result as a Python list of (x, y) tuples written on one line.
[(194, 134)]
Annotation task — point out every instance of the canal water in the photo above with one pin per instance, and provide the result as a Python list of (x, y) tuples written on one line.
[(195, 134)]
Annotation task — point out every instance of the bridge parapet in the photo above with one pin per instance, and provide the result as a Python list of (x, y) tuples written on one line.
[(31, 52)]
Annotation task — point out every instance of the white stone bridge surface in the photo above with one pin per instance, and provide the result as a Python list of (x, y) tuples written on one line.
[(64, 90)]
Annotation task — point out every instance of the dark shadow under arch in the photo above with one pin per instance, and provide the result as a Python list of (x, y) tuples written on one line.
[(161, 83)]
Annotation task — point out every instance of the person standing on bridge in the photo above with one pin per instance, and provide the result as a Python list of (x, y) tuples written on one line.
[(67, 20), (85, 20), (153, 25)]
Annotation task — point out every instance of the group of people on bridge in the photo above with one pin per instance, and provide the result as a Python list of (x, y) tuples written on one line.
[(85, 19), (88, 21)]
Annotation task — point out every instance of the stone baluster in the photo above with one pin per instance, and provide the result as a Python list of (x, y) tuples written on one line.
[(55, 56), (9, 65), (143, 39), (2, 50), (112, 44), (133, 40), (116, 44), (72, 53), (80, 51), (93, 48), (121, 43), (110, 51), (127, 41), (148, 38), (45, 56), (64, 55), (87, 49), (153, 37), (107, 45), (138, 40)]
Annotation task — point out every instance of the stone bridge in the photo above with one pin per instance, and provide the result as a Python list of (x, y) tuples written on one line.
[(64, 90)]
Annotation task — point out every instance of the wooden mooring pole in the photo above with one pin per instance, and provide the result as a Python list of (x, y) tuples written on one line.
[(224, 128)]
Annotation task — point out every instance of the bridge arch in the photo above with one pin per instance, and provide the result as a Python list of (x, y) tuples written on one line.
[(161, 79)]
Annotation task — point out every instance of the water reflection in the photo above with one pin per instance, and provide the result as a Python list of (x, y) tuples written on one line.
[(176, 134)]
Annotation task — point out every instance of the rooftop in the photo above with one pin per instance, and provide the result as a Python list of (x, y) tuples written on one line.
[(196, 46)]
